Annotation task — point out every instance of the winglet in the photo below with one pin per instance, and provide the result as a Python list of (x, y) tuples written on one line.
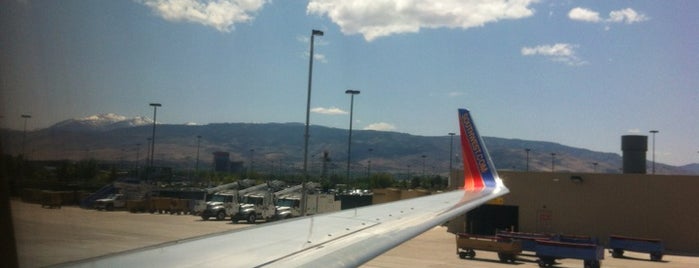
[(479, 172)]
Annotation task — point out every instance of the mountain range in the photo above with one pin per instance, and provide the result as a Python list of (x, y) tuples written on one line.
[(101, 122), (278, 147)]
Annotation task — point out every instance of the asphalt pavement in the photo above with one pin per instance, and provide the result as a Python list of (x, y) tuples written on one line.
[(52, 236)]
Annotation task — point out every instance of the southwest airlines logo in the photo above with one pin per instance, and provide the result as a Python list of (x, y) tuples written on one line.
[(477, 173)]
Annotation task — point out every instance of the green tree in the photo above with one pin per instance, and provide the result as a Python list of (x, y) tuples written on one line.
[(381, 180)]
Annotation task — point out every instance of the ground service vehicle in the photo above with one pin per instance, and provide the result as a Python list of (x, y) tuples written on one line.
[(288, 207), (254, 206), (111, 202), (618, 244), (227, 203), (222, 205), (288, 202), (507, 249)]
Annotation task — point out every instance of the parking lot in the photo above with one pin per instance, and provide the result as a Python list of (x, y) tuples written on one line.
[(52, 236)]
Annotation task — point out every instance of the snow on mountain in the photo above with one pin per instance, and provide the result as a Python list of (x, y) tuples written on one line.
[(102, 122)]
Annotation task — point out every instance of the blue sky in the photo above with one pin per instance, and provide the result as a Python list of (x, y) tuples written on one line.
[(580, 73)]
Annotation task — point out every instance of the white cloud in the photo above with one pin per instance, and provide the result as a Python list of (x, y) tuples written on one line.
[(583, 14), (320, 57), (559, 52), (626, 15), (455, 94), (219, 14), (316, 42), (328, 111), (378, 18), (381, 126)]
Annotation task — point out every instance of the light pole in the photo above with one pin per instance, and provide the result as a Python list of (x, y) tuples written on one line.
[(653, 163), (368, 168), (349, 140), (24, 135), (527, 150), (152, 139), (138, 155), (451, 154), (147, 153), (252, 152), (553, 161), (308, 112), (196, 166)]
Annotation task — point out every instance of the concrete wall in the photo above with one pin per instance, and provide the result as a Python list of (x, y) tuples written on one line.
[(640, 205)]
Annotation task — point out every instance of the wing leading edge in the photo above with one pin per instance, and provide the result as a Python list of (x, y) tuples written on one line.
[(345, 238)]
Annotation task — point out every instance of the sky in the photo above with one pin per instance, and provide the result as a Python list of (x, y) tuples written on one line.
[(579, 73)]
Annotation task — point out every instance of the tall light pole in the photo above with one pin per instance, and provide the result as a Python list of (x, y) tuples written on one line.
[(553, 161), (653, 163), (138, 155), (527, 150), (368, 168), (451, 154), (349, 140), (196, 166), (252, 152), (148, 143), (308, 114), (152, 138), (24, 135)]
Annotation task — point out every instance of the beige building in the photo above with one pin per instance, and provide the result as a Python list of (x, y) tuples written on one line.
[(663, 207)]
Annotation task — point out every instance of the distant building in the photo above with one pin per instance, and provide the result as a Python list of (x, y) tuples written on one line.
[(222, 162)]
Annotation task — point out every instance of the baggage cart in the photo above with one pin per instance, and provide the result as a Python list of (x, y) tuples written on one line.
[(528, 240), (618, 244), (507, 249), (549, 251)]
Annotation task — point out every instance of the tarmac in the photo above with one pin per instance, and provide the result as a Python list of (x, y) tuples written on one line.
[(51, 236)]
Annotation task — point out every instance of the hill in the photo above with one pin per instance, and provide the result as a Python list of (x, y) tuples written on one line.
[(278, 147)]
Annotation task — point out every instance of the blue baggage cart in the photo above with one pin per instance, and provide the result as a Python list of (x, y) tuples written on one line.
[(528, 239), (549, 251), (618, 244)]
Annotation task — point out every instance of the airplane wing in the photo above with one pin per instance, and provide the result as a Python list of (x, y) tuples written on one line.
[(345, 238)]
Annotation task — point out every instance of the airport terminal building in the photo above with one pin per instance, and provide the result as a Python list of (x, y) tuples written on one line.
[(593, 204)]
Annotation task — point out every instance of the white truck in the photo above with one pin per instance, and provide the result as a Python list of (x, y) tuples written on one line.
[(316, 203), (221, 205), (111, 202), (289, 202), (200, 205), (257, 205), (227, 203)]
